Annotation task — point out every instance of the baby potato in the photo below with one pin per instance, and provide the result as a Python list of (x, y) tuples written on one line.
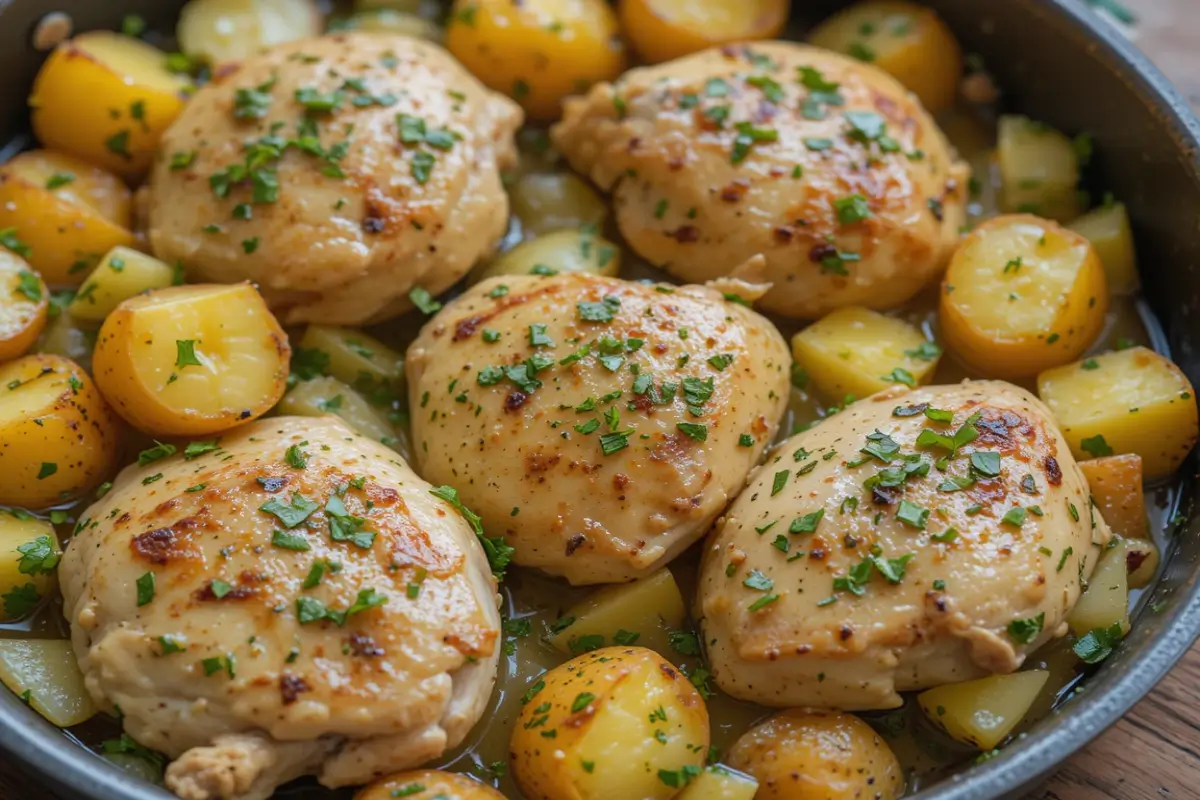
[(120, 275), (46, 669), (905, 39), (1130, 401), (66, 211), (359, 360), (24, 301), (427, 784), (58, 438), (983, 712), (1039, 169), (648, 608), (856, 351), (537, 51), (1107, 228), (615, 722), (1105, 601), (192, 360), (1021, 295), (550, 201), (29, 556), (560, 251), (815, 755), (322, 396), (106, 98), (720, 783), (661, 30), (1116, 486), (230, 30)]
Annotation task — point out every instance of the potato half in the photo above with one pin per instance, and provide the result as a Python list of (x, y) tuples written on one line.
[(661, 30), (24, 301), (192, 360)]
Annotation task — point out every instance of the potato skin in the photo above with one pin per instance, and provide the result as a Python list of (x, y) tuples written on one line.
[(434, 784), (58, 427), (801, 754), (24, 301), (588, 728)]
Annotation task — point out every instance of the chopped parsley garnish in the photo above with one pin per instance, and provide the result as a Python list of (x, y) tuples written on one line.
[(424, 301), (1096, 446), (499, 554), (293, 513), (1024, 631), (185, 354)]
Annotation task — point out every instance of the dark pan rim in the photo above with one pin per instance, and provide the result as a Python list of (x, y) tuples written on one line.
[(70, 767)]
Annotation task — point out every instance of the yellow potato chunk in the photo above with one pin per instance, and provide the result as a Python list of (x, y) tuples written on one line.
[(67, 212), (837, 753), (1039, 170), (24, 301), (661, 30), (230, 30), (356, 359), (982, 713), (537, 51), (904, 39), (856, 351), (46, 669), (106, 98), (1116, 486), (643, 613), (29, 556), (560, 251), (1021, 295), (58, 438), (192, 360), (1141, 561), (720, 783), (428, 784), (1107, 228), (119, 276), (1105, 601), (322, 396), (615, 722), (552, 201), (1129, 401)]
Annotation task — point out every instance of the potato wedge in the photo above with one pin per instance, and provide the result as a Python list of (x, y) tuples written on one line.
[(1116, 485), (643, 612), (560, 251), (67, 212), (551, 201), (982, 713), (718, 782), (662, 30), (58, 438), (359, 360), (106, 98), (1021, 295), (618, 717), (1107, 228), (322, 396), (1105, 601), (46, 669), (905, 39), (1128, 401), (192, 360), (230, 30), (119, 276), (29, 556), (537, 51), (24, 301), (856, 351), (1039, 170)]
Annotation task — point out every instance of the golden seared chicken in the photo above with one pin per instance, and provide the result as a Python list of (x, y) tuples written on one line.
[(288, 599), (599, 425), (338, 174), (825, 165), (914, 539)]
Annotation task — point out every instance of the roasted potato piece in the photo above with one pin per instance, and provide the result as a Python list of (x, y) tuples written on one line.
[(551, 201), (1105, 601), (1129, 401), (718, 782), (982, 713), (648, 609), (815, 755), (322, 396), (537, 51), (119, 276), (1107, 228), (359, 360), (29, 555), (661, 30), (905, 39), (58, 438), (66, 211), (428, 784), (230, 30), (1141, 561), (106, 98), (1022, 295), (624, 723), (856, 351), (192, 360), (1116, 484), (1039, 170), (24, 301), (560, 251), (44, 672)]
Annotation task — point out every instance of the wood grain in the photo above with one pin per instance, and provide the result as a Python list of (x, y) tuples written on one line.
[(1154, 752)]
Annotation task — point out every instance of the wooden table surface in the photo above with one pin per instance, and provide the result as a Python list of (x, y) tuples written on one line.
[(1154, 752)]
